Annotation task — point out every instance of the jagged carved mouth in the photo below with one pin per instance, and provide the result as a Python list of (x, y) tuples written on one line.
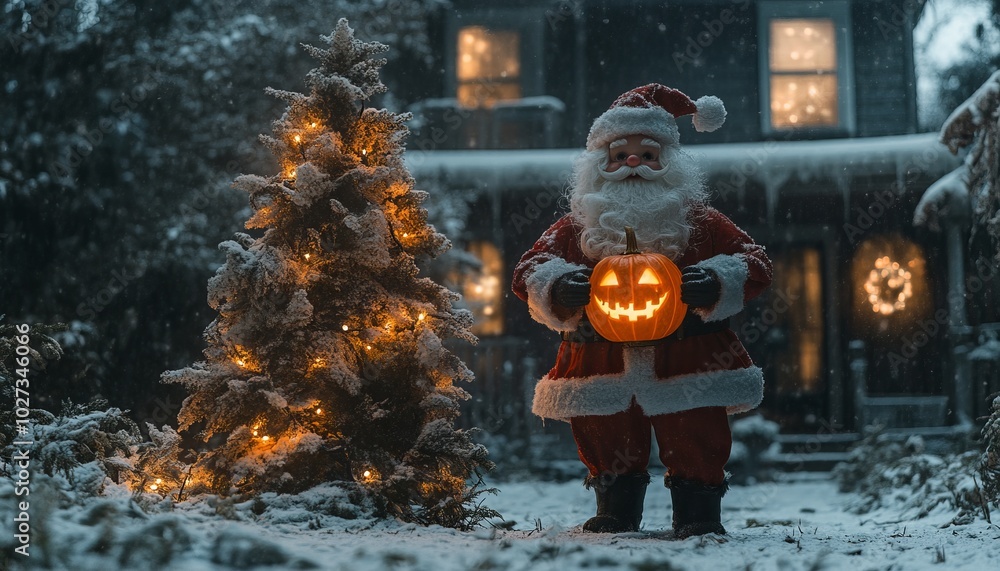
[(633, 314)]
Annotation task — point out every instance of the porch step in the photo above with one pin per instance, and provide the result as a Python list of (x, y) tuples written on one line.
[(809, 452), (809, 462), (821, 452)]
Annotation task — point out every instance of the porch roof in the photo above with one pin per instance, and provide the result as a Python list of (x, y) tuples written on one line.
[(729, 166)]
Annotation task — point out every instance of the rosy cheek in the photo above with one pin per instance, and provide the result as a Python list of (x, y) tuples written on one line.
[(613, 166), (655, 165)]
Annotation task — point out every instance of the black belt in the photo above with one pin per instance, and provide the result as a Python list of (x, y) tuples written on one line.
[(690, 327)]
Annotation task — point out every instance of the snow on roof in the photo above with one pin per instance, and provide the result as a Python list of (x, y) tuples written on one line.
[(950, 191), (770, 163)]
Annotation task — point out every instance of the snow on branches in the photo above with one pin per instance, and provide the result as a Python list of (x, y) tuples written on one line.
[(976, 124), (326, 361)]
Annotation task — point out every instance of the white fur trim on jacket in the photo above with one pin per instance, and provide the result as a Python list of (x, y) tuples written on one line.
[(738, 390), (539, 286), (732, 272), (619, 122)]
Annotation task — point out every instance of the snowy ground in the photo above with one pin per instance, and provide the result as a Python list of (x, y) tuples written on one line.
[(790, 525)]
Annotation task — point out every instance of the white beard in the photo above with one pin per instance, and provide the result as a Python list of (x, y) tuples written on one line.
[(656, 205)]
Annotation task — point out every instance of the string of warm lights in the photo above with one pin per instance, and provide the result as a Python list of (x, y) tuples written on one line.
[(889, 286), (369, 476)]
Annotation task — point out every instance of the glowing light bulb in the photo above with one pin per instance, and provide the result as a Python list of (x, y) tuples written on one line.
[(265, 438), (368, 347), (159, 480), (406, 234), (241, 362), (364, 152), (421, 317), (344, 327), (255, 433), (367, 474), (313, 124), (319, 411), (298, 139), (153, 487), (307, 256)]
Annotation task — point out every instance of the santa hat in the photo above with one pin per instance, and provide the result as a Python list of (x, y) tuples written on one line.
[(651, 110)]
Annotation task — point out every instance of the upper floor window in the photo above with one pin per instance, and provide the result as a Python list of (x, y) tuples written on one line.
[(488, 66), (806, 68)]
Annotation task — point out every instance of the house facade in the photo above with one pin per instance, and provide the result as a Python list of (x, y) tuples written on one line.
[(820, 160)]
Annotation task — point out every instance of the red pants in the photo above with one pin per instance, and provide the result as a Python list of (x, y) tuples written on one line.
[(694, 444)]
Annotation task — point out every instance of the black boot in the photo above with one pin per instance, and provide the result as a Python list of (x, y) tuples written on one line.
[(697, 507), (619, 503)]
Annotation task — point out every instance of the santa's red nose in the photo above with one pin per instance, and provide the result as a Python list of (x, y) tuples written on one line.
[(633, 160)]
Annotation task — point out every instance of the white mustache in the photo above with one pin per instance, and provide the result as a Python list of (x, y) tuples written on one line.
[(645, 171)]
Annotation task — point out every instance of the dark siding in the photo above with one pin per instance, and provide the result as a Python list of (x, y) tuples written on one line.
[(882, 79), (651, 33), (558, 49)]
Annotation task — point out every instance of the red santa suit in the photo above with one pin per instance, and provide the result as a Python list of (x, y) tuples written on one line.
[(612, 393)]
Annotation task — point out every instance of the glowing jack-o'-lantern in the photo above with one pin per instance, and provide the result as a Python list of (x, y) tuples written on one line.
[(635, 296)]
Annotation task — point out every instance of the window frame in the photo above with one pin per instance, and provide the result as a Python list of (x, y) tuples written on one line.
[(840, 12), (529, 24), (516, 80)]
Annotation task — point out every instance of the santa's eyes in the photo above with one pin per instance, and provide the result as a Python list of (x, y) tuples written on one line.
[(647, 156)]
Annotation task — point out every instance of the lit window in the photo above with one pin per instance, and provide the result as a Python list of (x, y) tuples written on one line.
[(799, 357), (488, 66), (803, 64), (806, 69), (484, 291)]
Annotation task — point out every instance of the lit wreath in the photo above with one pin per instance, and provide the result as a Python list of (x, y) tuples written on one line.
[(888, 286)]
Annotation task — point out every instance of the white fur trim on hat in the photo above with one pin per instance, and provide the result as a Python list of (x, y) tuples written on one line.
[(738, 390), (711, 113), (731, 269), (619, 122), (539, 287)]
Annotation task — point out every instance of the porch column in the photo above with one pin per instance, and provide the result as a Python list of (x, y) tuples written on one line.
[(956, 218)]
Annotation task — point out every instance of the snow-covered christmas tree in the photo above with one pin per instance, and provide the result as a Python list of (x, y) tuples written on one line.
[(326, 360)]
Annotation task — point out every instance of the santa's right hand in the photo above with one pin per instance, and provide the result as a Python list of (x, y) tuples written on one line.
[(572, 289)]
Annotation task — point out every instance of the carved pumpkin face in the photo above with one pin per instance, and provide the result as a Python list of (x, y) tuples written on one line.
[(635, 296)]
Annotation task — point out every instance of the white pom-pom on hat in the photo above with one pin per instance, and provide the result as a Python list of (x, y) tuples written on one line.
[(651, 110), (711, 114)]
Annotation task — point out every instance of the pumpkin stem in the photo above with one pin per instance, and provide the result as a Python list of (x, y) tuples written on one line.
[(631, 245)]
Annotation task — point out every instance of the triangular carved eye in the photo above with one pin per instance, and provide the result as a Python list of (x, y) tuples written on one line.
[(609, 279), (649, 278)]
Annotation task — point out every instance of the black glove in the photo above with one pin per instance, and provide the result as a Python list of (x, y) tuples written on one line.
[(572, 289), (700, 287)]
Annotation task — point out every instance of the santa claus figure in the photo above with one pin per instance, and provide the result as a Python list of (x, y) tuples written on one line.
[(634, 173)]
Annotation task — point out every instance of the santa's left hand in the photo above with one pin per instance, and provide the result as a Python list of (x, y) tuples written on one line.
[(700, 287)]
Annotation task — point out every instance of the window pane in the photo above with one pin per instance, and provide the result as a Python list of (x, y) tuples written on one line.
[(803, 100), (799, 358), (484, 291), (803, 45), (488, 54)]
